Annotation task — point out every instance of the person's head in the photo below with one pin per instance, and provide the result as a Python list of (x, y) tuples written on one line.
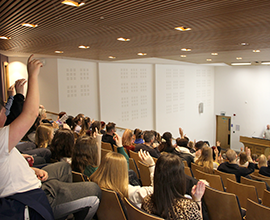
[(103, 124), (166, 188), (268, 127), (182, 142), (206, 159), (85, 125), (112, 173), (262, 161), (242, 158), (44, 135), (78, 119), (42, 113), (96, 125), (3, 117), (70, 122), (231, 155), (62, 144), (127, 139), (166, 143), (84, 153), (199, 145), (157, 137), (61, 114), (110, 128), (138, 133), (148, 137)]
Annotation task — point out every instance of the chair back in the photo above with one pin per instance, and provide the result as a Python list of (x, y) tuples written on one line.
[(188, 171), (222, 205), (214, 181), (243, 192), (260, 186), (115, 148), (111, 206), (135, 156), (134, 213), (185, 163), (267, 180), (106, 146), (104, 152), (133, 166), (256, 172), (263, 176), (225, 176), (256, 211), (195, 167), (145, 174), (266, 198), (79, 177)]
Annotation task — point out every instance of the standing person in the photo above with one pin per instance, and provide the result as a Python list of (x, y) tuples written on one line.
[(266, 133)]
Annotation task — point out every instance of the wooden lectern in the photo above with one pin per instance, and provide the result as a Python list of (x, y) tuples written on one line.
[(256, 145)]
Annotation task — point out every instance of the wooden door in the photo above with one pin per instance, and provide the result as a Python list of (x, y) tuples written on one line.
[(223, 130)]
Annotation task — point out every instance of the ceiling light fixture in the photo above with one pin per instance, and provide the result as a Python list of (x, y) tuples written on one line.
[(183, 55), (214, 54), (208, 60), (72, 3), (239, 58), (29, 25), (123, 39), (111, 57), (186, 49), (241, 64), (142, 54), (5, 38), (182, 28), (244, 44), (59, 51), (83, 47), (256, 51), (265, 62)]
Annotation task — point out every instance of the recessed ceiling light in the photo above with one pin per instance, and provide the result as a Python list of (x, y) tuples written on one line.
[(239, 58), (182, 28), (256, 51), (83, 47), (244, 44), (142, 54), (123, 39), (72, 3), (265, 62), (29, 25), (59, 51), (111, 57), (208, 60), (186, 49), (241, 64), (183, 55), (214, 54), (5, 38)]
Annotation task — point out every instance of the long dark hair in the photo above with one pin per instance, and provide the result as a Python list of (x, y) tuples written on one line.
[(166, 143), (169, 184)]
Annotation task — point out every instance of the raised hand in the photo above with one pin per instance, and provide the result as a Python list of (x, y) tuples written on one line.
[(146, 157), (19, 86), (33, 66), (198, 191)]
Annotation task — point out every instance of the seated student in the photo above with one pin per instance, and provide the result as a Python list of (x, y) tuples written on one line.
[(108, 137), (20, 184), (103, 125), (127, 140), (243, 160), (78, 121), (62, 145), (138, 133), (264, 169), (166, 146), (168, 199), (44, 135), (157, 140), (233, 167), (95, 127), (206, 160), (85, 126), (149, 138)]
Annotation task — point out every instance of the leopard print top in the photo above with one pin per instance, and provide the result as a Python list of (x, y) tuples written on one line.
[(183, 209)]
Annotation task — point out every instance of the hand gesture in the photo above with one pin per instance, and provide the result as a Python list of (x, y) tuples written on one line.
[(29, 158), (19, 86), (41, 174), (146, 158), (11, 91), (118, 140), (33, 66), (248, 152), (95, 132), (216, 151), (218, 143), (181, 132), (198, 191)]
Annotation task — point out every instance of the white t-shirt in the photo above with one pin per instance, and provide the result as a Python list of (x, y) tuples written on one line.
[(15, 174)]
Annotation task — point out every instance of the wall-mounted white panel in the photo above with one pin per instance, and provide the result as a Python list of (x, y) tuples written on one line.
[(179, 90), (126, 94), (245, 92), (78, 87)]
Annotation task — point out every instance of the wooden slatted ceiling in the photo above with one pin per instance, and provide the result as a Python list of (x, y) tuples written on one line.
[(217, 26)]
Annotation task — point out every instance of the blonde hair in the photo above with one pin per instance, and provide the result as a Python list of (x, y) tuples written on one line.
[(206, 160), (112, 173), (127, 137), (262, 161), (43, 135)]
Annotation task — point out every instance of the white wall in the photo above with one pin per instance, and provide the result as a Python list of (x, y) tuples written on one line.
[(243, 91)]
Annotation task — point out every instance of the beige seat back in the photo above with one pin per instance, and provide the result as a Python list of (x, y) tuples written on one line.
[(260, 186), (256, 211), (214, 181)]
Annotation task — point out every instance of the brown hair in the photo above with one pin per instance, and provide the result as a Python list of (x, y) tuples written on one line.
[(206, 160), (127, 137), (43, 135), (112, 173)]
